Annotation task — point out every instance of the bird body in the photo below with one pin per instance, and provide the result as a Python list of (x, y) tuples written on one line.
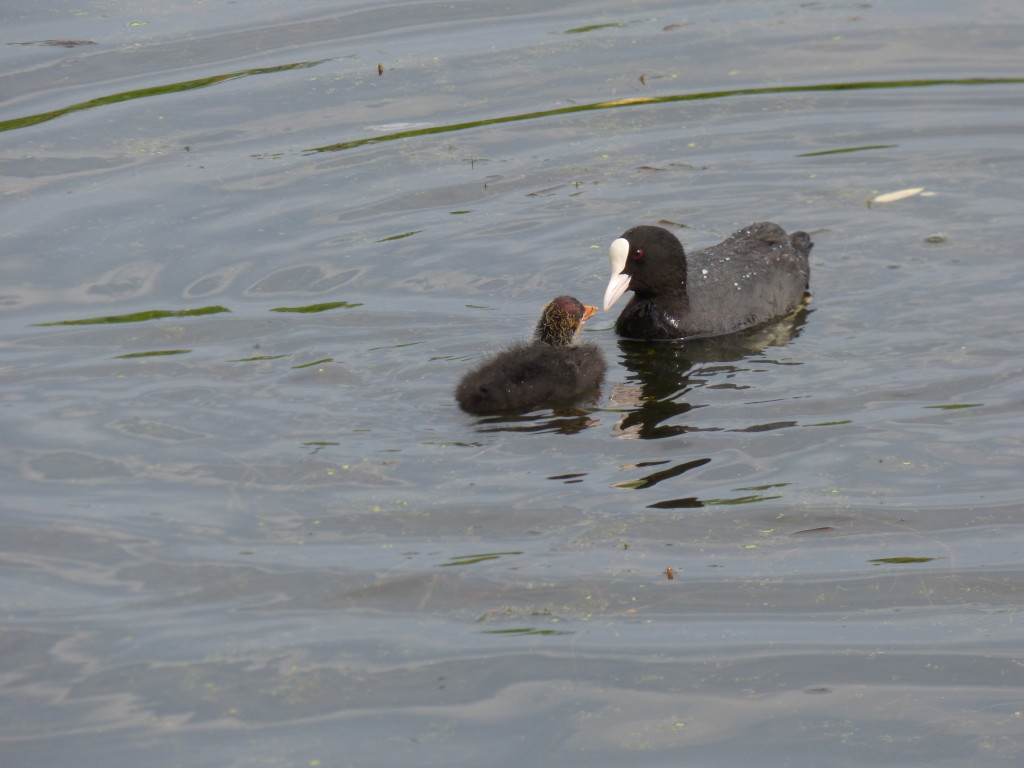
[(552, 368), (756, 274)]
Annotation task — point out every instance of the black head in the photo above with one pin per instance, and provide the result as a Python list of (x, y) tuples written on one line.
[(646, 260)]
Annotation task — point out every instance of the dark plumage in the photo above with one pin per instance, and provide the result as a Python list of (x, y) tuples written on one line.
[(553, 368), (756, 274)]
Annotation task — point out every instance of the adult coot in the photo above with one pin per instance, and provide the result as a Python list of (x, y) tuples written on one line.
[(756, 274), (553, 368)]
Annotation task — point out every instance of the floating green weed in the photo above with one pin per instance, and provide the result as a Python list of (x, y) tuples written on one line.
[(154, 353), (847, 149), (158, 90), (311, 308), (525, 631), (315, 362), (636, 101), (591, 28), (471, 559), (139, 317), (399, 237), (741, 499)]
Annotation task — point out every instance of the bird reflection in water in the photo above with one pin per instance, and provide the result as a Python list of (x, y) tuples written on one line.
[(562, 421), (663, 372)]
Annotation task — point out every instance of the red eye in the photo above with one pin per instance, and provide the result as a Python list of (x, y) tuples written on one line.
[(638, 254)]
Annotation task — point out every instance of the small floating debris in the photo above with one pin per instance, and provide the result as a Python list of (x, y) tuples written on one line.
[(396, 127), (624, 102), (892, 197)]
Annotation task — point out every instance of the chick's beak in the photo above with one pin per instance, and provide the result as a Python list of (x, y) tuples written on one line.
[(588, 312)]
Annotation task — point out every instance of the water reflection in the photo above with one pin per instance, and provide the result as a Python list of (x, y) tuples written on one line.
[(563, 421), (655, 389), (665, 474), (663, 372)]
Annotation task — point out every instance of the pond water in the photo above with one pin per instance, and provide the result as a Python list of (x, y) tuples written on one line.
[(248, 250)]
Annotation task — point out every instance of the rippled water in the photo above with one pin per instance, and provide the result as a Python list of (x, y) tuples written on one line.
[(248, 249)]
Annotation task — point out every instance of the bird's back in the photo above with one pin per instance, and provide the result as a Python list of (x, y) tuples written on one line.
[(754, 275)]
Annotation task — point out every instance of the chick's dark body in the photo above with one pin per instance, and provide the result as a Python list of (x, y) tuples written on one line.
[(554, 368), (526, 375)]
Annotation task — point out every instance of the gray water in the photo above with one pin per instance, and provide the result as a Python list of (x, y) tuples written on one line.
[(249, 248)]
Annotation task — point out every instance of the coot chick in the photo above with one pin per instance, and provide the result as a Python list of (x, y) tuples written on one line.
[(553, 368), (756, 274)]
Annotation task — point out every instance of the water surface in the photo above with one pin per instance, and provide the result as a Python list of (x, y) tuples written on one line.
[(244, 522)]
